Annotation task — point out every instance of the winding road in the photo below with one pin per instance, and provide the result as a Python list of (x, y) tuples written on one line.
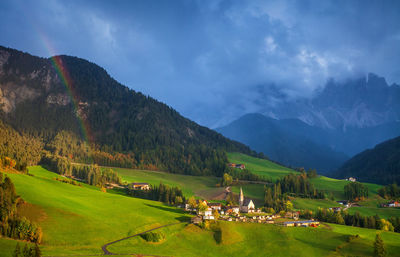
[(107, 252)]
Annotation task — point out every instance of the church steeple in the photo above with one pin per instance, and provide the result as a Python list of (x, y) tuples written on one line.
[(241, 197)]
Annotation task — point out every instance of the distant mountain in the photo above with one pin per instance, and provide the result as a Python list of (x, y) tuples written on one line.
[(341, 120), (290, 142), (378, 165), (295, 143), (75, 107), (356, 103)]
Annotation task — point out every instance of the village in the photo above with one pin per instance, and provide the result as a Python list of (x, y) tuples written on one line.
[(244, 212)]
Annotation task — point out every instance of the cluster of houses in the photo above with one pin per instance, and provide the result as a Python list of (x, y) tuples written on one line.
[(351, 179), (232, 213), (301, 223), (391, 204), (139, 186), (237, 166), (245, 206)]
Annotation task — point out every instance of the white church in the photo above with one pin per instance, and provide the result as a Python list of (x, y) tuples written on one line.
[(245, 205)]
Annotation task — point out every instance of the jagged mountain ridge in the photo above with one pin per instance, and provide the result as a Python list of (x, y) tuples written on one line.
[(356, 103), (34, 100)]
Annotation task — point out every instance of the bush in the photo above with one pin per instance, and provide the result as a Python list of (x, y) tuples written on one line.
[(153, 236)]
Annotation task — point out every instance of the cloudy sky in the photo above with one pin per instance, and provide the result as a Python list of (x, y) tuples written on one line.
[(214, 60)]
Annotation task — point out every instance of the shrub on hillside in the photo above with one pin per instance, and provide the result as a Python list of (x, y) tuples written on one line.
[(154, 237)]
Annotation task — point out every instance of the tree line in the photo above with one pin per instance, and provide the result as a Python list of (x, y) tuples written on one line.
[(23, 149), (390, 191), (90, 174), (276, 196), (124, 128), (356, 219), (162, 193), (355, 191), (27, 251), (12, 225)]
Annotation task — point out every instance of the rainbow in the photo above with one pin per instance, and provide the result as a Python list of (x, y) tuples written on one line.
[(64, 76), (67, 82)]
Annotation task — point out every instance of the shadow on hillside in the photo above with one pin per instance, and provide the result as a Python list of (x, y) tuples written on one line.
[(323, 244), (171, 209), (166, 208)]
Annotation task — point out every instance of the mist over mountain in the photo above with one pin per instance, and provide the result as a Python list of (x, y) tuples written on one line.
[(291, 142), (340, 121), (355, 103)]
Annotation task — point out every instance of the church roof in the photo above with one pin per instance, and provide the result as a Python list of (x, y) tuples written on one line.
[(247, 201)]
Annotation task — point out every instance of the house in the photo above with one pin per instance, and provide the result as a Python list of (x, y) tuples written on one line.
[(196, 220), (343, 202), (139, 186), (232, 209), (392, 204), (215, 206), (237, 166), (240, 166), (292, 215), (301, 223), (246, 205), (207, 212), (335, 209)]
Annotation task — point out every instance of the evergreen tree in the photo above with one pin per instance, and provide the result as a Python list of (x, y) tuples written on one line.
[(37, 251), (379, 247), (17, 251)]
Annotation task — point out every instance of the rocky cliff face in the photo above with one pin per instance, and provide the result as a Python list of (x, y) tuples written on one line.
[(359, 103)]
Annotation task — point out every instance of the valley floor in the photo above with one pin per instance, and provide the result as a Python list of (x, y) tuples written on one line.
[(79, 220)]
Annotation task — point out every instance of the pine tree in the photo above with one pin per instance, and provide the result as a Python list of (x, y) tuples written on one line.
[(379, 247), (17, 252), (38, 253), (26, 252)]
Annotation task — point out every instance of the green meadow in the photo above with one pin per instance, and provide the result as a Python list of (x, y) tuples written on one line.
[(80, 219), (260, 166), (190, 185), (369, 207)]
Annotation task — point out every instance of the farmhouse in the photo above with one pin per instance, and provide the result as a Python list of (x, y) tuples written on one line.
[(301, 223), (232, 209), (237, 166), (246, 205), (292, 215), (139, 186), (215, 206), (391, 204)]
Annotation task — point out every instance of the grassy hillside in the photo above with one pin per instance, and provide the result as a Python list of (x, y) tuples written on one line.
[(205, 187), (191, 185), (335, 186), (260, 166), (79, 220), (262, 240)]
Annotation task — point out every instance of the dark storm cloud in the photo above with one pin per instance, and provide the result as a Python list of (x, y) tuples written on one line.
[(214, 60)]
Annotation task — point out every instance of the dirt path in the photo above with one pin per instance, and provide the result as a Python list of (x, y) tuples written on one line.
[(107, 252)]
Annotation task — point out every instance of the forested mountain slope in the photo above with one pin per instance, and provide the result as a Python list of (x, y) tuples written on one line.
[(76, 109), (378, 165)]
